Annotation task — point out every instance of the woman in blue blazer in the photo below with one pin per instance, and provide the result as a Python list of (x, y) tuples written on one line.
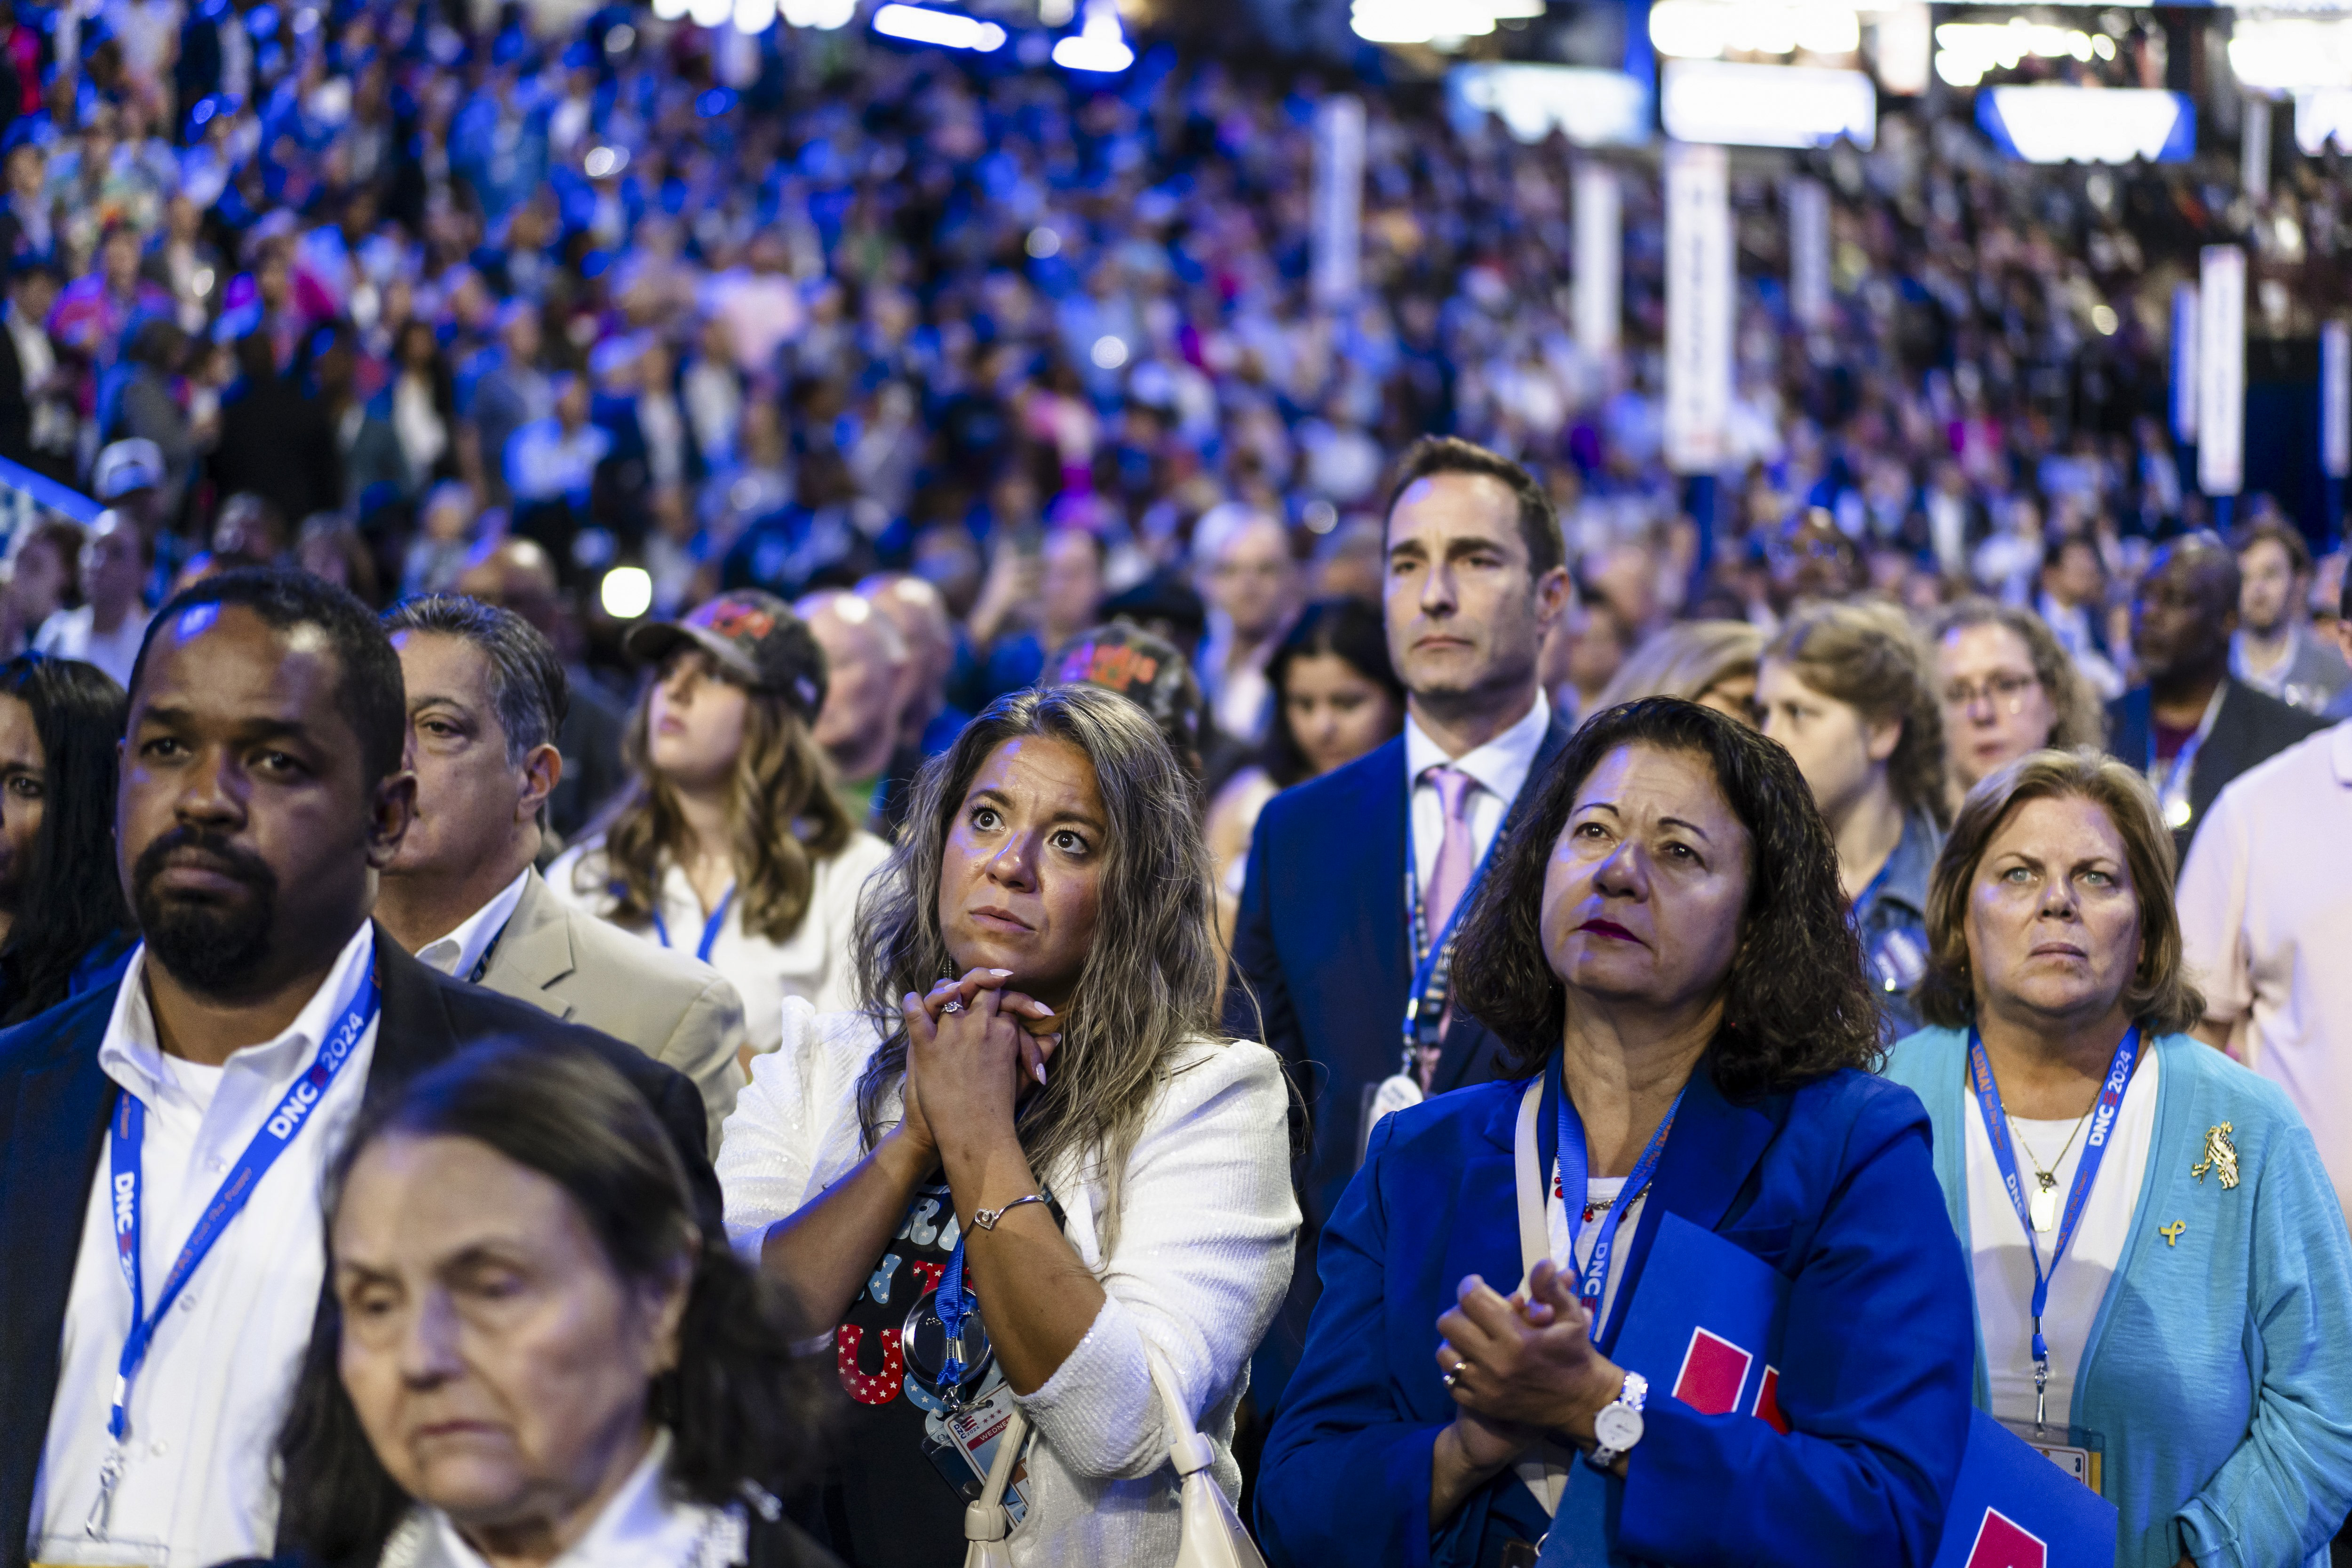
[(2195, 1366), (1663, 945)]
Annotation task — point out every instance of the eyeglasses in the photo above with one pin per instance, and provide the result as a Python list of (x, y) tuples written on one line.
[(2005, 692)]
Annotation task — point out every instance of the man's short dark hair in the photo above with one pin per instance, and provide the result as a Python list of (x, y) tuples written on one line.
[(1539, 522), (527, 684), (369, 694), (2291, 539)]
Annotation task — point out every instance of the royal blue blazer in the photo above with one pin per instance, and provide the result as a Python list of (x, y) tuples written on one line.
[(1831, 1185)]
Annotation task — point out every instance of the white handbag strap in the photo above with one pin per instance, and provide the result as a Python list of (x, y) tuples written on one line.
[(986, 1519), (1190, 1451)]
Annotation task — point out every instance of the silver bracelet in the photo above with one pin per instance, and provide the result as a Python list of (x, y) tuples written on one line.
[(986, 1218)]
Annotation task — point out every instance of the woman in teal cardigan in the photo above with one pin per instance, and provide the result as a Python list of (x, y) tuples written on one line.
[(2155, 1211)]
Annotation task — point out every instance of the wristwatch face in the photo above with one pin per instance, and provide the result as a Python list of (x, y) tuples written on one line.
[(1618, 1426)]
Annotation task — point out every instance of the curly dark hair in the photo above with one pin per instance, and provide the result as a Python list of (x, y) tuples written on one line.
[(741, 1407), (1796, 1006)]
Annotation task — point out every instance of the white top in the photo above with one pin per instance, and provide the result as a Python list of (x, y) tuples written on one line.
[(456, 954), (819, 964), (1501, 767), (206, 1409), (2266, 925), (1202, 1257), (74, 634), (2003, 1271), (642, 1527), (1596, 1189)]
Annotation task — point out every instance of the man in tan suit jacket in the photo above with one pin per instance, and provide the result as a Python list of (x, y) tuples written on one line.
[(486, 697)]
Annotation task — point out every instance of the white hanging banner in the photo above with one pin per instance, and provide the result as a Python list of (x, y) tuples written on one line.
[(2254, 146), (2184, 362), (1600, 258), (2335, 399), (1809, 252), (1700, 281), (2221, 369), (1339, 199)]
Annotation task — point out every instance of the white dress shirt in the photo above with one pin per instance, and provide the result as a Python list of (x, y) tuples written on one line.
[(2266, 925), (205, 1408), (2003, 1272), (456, 954), (1501, 767), (74, 634), (643, 1526), (819, 963)]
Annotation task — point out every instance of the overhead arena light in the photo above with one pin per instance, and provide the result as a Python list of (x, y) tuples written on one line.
[(1709, 29), (1965, 51), (949, 30), (824, 15), (1098, 45), (1442, 23), (2291, 54), (1591, 108), (2058, 124), (1767, 106)]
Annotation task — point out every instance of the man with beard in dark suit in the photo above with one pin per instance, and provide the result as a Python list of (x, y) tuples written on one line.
[(166, 1139)]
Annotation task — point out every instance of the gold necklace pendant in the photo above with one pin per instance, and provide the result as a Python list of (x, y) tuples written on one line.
[(2042, 1206)]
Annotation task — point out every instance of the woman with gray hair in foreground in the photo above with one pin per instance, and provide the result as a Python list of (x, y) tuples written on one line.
[(1028, 1168)]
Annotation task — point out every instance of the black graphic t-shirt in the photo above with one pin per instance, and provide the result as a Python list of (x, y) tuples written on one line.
[(905, 1463)]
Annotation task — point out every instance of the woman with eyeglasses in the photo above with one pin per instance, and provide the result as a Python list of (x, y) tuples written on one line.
[(2007, 687)]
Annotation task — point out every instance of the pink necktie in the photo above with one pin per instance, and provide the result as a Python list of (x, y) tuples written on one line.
[(1451, 875)]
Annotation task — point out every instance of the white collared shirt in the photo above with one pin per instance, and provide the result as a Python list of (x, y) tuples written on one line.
[(205, 1408), (2266, 925), (1501, 767), (456, 954), (818, 963), (641, 1527)]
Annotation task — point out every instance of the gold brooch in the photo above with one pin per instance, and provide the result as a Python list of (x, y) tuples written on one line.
[(2220, 1157)]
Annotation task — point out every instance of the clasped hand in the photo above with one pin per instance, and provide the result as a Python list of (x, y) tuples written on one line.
[(1523, 1366), (967, 1069)]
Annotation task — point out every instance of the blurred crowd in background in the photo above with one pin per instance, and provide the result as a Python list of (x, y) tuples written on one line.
[(595, 325)]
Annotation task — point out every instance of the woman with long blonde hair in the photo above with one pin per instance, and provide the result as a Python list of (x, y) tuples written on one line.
[(1028, 1165), (732, 845)]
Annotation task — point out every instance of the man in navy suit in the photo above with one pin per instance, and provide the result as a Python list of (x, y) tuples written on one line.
[(2193, 724), (1354, 877), (185, 1117)]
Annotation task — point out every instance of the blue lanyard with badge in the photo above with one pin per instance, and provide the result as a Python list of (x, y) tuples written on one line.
[(710, 928), (126, 1137), (2172, 784), (1433, 971), (2094, 1149), (1592, 1279)]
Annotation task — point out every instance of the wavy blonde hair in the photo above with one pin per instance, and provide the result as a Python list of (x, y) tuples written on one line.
[(2160, 996), (782, 815), (1149, 986)]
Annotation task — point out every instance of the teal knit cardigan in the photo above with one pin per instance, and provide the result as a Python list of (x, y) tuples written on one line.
[(2218, 1375)]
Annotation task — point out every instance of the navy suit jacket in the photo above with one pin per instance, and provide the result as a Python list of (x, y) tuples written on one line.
[(1323, 953), (1831, 1185), (54, 1104), (2251, 727)]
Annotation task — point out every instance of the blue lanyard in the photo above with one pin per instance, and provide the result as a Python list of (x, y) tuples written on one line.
[(954, 1304), (709, 926), (2094, 1149), (1594, 1282), (127, 1136), (1432, 970)]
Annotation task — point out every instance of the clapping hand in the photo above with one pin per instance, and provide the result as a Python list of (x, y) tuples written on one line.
[(1526, 1363), (973, 1049)]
